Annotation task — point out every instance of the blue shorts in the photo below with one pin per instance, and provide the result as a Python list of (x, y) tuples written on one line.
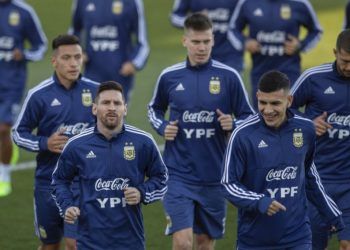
[(9, 110), (299, 247), (49, 225), (202, 208), (340, 193)]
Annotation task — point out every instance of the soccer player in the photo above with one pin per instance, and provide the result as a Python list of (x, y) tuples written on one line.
[(201, 94), (111, 161), (324, 91), (269, 174), (53, 111), (19, 25), (115, 38), (273, 39), (219, 12)]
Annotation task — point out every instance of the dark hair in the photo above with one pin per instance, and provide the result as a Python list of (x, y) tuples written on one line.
[(198, 22), (343, 41), (273, 81), (109, 85), (64, 39)]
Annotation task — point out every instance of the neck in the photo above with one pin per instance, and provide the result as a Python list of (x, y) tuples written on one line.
[(64, 82), (109, 133)]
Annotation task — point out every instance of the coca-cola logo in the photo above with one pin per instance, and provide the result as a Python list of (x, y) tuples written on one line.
[(288, 173), (73, 129), (110, 185), (343, 120), (198, 117)]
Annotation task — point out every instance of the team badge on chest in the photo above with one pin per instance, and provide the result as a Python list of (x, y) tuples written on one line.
[(214, 85), (117, 7), (298, 140), (129, 151), (285, 12), (86, 98), (14, 18)]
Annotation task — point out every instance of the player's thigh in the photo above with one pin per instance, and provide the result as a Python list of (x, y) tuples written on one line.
[(9, 110), (48, 222), (341, 196), (179, 207), (319, 228), (210, 212)]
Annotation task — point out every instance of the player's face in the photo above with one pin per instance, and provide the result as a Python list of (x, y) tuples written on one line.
[(273, 106), (67, 61), (199, 45), (343, 62), (110, 110)]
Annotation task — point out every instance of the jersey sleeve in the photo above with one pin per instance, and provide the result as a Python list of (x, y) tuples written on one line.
[(36, 37), (158, 106), (179, 13), (154, 188), (301, 92), (28, 120), (141, 48), (77, 22), (62, 178), (237, 24)]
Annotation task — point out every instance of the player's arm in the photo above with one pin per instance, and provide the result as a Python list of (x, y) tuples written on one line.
[(28, 120), (314, 29), (317, 195), (347, 16), (77, 18), (36, 37), (154, 188), (62, 178), (179, 13), (141, 48)]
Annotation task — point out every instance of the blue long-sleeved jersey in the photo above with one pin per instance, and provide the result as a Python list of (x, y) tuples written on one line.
[(323, 89), (50, 107), (105, 168), (193, 94), (219, 12), (18, 24), (270, 22), (262, 164), (115, 32)]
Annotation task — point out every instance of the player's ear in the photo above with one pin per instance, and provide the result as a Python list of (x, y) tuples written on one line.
[(94, 109), (125, 109)]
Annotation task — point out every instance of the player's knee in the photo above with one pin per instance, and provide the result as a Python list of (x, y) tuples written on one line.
[(182, 241), (204, 242), (344, 245)]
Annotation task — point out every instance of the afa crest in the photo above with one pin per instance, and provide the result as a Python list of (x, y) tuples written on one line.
[(117, 7), (285, 12), (298, 140), (129, 151), (86, 98), (214, 85), (14, 18)]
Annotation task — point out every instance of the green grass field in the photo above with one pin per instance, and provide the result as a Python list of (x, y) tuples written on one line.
[(16, 216)]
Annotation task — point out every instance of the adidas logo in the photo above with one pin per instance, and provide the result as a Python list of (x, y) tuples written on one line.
[(91, 155), (55, 102), (262, 144), (329, 90), (90, 7), (258, 12), (179, 87)]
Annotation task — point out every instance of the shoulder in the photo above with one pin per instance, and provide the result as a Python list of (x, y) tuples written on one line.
[(225, 69), (303, 4), (24, 8), (41, 88), (304, 122), (247, 127), (79, 139), (312, 73), (140, 135), (89, 82), (174, 69)]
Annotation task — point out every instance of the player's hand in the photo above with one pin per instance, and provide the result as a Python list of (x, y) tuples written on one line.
[(17, 55), (252, 45), (275, 207), (56, 142), (225, 120), (71, 214), (127, 69), (321, 125), (132, 196), (171, 130), (291, 45)]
